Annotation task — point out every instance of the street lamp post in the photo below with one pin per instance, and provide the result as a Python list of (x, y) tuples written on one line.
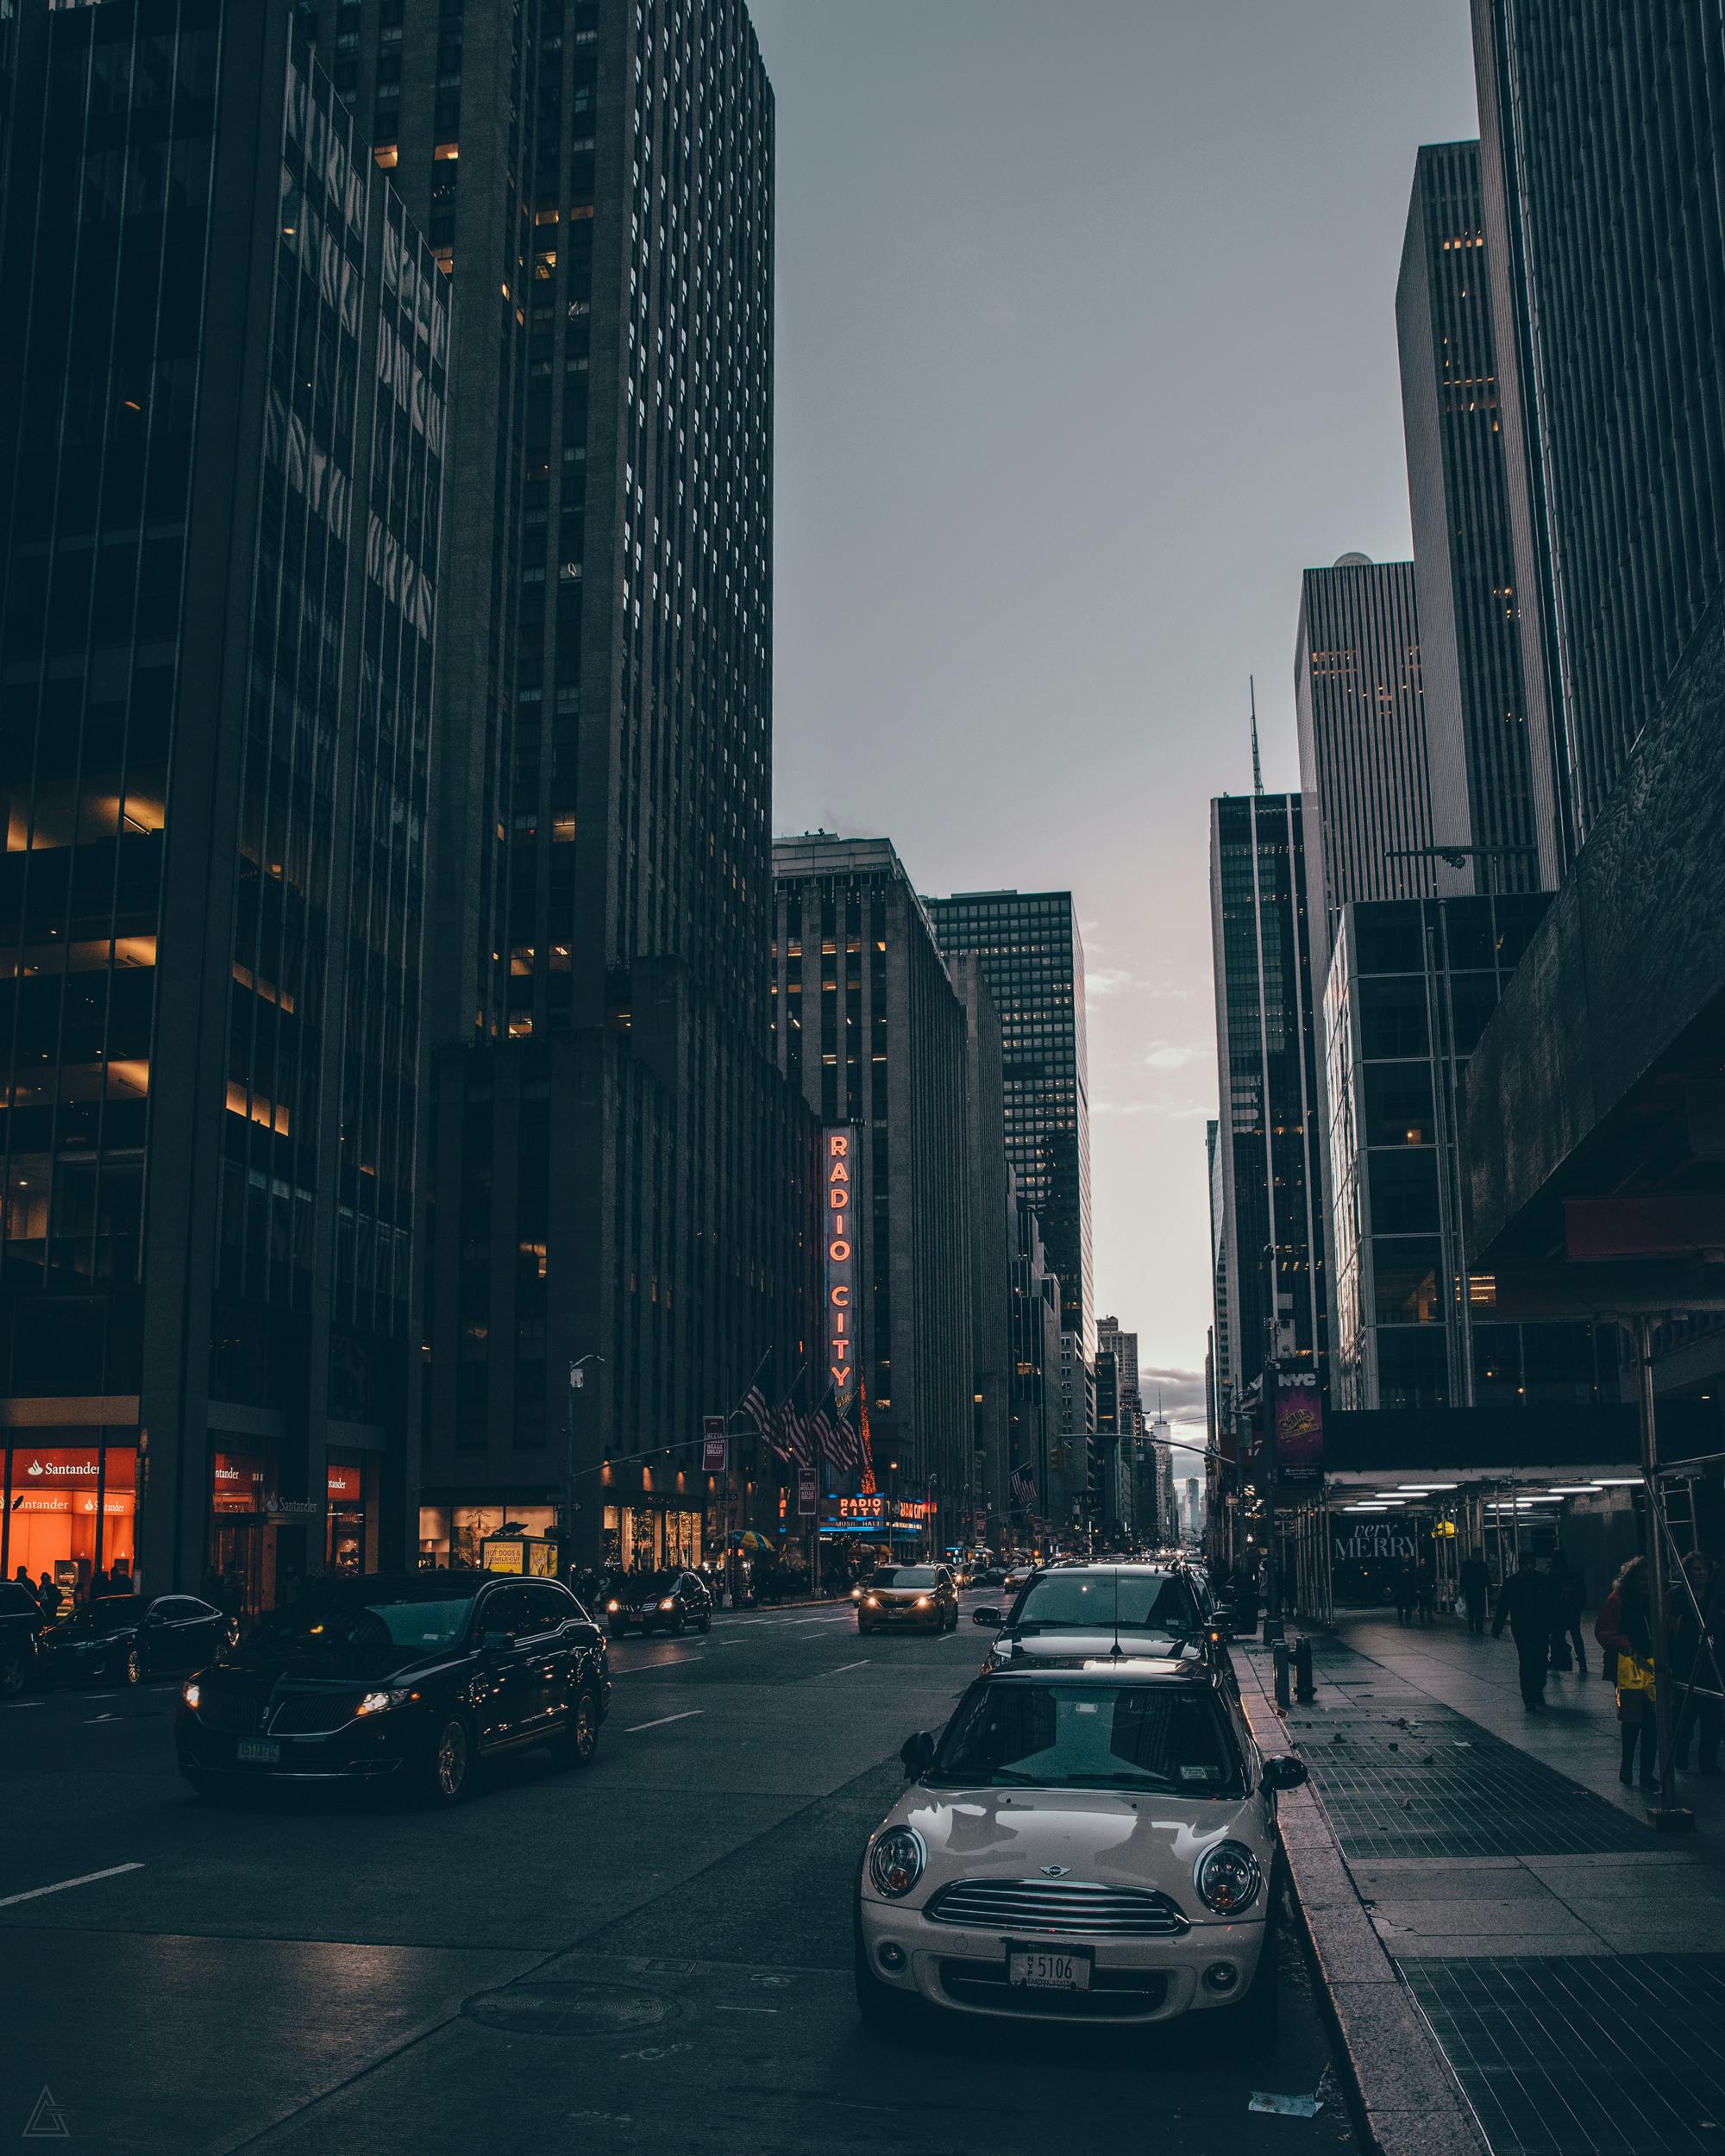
[(566, 1510)]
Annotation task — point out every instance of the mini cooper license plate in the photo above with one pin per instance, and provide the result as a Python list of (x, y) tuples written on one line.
[(1039, 1969), (257, 1752)]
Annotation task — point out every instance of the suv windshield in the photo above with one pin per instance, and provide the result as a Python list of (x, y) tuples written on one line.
[(369, 1621), (1089, 1737), (1085, 1602), (904, 1576)]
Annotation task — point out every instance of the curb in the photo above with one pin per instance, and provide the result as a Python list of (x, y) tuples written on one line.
[(1406, 2097)]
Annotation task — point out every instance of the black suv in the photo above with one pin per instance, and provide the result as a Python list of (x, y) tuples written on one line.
[(1076, 1614), (125, 1639), (398, 1678), (659, 1601), (21, 1624)]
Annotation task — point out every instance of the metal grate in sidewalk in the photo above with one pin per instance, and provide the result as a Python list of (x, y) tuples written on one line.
[(1436, 1784), (1584, 2057)]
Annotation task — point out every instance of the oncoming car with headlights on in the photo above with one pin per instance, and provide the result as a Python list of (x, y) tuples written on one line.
[(912, 1597), (1095, 1844)]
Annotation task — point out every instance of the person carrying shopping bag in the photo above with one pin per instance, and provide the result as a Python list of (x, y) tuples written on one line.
[(1624, 1628)]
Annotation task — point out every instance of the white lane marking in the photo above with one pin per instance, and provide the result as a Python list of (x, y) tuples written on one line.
[(59, 1886), (745, 2009), (843, 1666), (646, 1669), (95, 1698), (687, 1715), (16, 1703), (94, 1719)]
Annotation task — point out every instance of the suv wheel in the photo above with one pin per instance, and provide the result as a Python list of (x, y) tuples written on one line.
[(14, 1671), (449, 1769), (578, 1740), (132, 1669)]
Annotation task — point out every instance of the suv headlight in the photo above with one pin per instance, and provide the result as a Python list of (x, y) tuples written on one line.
[(895, 1862), (922, 1601), (669, 1602), (1227, 1878), (191, 1693), (378, 1702)]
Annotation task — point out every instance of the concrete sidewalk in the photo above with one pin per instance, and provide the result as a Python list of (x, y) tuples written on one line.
[(1481, 1892)]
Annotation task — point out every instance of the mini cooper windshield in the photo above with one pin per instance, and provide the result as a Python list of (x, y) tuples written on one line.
[(1098, 1601), (1089, 1736)]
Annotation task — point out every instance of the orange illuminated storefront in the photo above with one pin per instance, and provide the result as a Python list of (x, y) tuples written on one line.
[(70, 1509)]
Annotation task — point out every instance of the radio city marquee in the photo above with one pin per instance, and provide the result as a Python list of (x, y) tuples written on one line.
[(839, 1242)]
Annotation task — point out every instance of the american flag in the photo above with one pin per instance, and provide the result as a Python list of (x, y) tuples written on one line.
[(850, 1444), (828, 1438), (794, 1432), (754, 1406), (1024, 1485)]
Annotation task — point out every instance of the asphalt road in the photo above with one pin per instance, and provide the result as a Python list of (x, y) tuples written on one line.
[(653, 1956)]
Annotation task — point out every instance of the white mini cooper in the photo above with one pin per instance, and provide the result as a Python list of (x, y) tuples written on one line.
[(1095, 1844)]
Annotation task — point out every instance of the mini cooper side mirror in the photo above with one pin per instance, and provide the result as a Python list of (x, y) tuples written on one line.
[(1281, 1771), (987, 1615), (915, 1753)]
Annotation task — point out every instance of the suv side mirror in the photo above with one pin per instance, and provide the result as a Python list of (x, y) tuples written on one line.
[(987, 1615), (1281, 1771), (915, 1753)]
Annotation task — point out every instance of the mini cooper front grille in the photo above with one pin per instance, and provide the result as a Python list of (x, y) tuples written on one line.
[(1055, 1905)]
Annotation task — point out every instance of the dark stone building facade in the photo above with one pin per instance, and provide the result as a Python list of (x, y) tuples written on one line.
[(225, 389), (620, 1177), (1603, 138)]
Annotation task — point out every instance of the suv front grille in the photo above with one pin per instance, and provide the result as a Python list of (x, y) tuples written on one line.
[(313, 1714), (228, 1711), (1055, 1905)]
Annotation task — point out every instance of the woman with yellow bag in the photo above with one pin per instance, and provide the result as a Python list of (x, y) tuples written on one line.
[(1624, 1628)]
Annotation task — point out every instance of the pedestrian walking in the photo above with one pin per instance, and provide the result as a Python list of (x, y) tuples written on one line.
[(1428, 1592), (1474, 1579), (1695, 1664), (49, 1595), (1525, 1605), (1568, 1594), (1407, 1590), (1624, 1628)]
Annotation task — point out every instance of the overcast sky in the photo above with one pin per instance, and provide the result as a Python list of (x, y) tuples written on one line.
[(1085, 348)]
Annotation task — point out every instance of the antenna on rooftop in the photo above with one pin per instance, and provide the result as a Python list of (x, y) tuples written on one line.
[(1256, 767)]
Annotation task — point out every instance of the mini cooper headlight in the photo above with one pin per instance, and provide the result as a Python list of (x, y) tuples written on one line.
[(1227, 1878), (895, 1862)]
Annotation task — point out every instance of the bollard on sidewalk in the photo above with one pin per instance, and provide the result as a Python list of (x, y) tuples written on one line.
[(1283, 1700), (1305, 1691)]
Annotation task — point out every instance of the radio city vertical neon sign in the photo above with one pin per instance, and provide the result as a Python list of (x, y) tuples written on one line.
[(838, 1241)]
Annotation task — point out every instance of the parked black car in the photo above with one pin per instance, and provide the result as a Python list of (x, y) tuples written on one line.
[(22, 1623), (659, 1601), (407, 1679), (123, 1638)]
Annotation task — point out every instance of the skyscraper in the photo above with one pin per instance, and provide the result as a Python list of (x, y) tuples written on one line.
[(1366, 766), (1602, 137), (872, 1033), (1270, 1265), (1470, 632), (612, 1147), (222, 500), (1033, 959)]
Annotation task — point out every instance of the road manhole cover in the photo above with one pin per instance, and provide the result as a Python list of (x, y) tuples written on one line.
[(568, 2009)]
